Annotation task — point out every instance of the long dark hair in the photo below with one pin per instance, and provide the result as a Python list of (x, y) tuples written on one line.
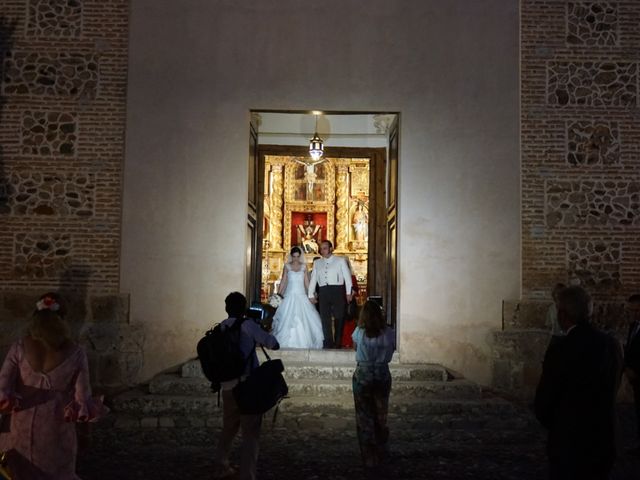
[(49, 328), (371, 319)]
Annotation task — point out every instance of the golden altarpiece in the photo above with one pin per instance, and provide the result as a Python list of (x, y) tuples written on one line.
[(304, 205)]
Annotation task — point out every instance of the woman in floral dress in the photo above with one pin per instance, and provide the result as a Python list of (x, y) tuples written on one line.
[(44, 385)]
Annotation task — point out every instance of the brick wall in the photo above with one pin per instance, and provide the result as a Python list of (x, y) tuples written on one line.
[(62, 125), (580, 141)]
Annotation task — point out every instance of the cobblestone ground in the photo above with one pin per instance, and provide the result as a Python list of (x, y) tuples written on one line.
[(446, 454)]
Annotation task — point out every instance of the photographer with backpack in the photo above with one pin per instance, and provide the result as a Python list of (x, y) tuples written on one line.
[(250, 334)]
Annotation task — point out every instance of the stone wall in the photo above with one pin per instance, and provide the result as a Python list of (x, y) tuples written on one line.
[(519, 348), (580, 140), (63, 71), (100, 323)]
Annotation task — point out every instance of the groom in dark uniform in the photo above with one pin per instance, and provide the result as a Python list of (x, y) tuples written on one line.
[(331, 273)]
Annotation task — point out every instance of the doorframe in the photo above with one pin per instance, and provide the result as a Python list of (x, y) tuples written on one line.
[(253, 231)]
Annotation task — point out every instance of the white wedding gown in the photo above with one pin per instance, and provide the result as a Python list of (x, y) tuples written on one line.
[(297, 323)]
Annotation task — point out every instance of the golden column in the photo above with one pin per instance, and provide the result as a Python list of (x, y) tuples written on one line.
[(342, 203), (276, 206)]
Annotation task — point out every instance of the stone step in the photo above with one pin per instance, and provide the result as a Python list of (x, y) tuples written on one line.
[(328, 413), (344, 371), (192, 368), (413, 399), (338, 369), (399, 405), (401, 389), (169, 384)]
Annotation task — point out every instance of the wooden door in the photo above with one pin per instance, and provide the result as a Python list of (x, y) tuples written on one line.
[(391, 294), (377, 265), (254, 228)]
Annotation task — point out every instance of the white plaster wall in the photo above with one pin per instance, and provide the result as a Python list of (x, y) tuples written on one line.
[(450, 67)]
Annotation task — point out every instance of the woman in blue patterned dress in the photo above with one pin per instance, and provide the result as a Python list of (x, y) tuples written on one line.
[(374, 342)]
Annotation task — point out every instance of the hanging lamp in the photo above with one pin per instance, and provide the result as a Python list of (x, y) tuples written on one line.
[(316, 145)]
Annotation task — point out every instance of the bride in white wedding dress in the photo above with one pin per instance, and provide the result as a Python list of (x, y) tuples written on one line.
[(296, 323)]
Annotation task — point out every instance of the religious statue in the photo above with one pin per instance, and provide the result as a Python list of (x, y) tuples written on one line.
[(311, 175), (361, 223), (307, 235)]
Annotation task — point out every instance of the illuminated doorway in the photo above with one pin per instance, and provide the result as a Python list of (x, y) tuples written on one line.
[(350, 199)]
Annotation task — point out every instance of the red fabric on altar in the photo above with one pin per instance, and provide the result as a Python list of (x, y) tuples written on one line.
[(299, 218)]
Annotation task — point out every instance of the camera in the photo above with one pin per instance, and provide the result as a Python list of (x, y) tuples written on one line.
[(255, 312), (377, 299), (262, 314)]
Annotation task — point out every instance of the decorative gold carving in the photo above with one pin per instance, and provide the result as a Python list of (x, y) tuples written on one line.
[(308, 184), (276, 206), (359, 180), (256, 120), (341, 186), (267, 235), (382, 122), (294, 182), (342, 204)]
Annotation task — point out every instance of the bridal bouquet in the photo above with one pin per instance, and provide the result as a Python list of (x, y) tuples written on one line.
[(275, 300)]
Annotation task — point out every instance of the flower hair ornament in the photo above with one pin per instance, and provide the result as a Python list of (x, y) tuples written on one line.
[(48, 302)]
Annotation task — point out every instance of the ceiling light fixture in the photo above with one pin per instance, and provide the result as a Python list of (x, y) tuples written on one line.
[(316, 145)]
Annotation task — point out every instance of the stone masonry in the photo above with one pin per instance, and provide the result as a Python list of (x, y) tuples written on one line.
[(580, 140), (519, 347), (63, 71)]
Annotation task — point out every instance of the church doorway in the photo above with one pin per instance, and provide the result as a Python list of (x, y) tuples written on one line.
[(349, 198)]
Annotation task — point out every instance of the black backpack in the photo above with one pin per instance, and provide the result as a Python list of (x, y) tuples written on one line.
[(220, 356), (263, 389)]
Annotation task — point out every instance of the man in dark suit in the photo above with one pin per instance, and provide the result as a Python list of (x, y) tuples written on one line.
[(632, 360), (575, 399)]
